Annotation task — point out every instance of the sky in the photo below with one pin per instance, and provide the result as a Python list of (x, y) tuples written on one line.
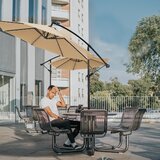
[(112, 24)]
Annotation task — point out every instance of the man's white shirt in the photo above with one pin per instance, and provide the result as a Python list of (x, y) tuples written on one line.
[(46, 102)]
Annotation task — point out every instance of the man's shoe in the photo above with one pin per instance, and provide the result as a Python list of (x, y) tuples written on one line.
[(77, 147), (67, 145)]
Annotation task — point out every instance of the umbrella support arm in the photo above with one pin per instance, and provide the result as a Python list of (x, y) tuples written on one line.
[(92, 73), (89, 46), (48, 60), (50, 69)]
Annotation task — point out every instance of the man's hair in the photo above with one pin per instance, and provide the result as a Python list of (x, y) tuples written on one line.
[(50, 87)]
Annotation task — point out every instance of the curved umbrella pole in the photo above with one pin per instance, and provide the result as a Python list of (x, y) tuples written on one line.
[(88, 61), (89, 46)]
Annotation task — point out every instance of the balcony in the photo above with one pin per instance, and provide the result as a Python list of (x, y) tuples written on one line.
[(60, 82), (60, 1), (60, 14)]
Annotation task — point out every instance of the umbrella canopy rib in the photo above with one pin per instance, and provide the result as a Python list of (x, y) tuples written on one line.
[(19, 29), (87, 64), (76, 49), (59, 47), (23, 29), (35, 40), (74, 66), (67, 60), (47, 38)]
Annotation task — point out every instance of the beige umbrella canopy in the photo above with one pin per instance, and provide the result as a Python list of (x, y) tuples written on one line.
[(74, 64), (47, 38), (50, 39)]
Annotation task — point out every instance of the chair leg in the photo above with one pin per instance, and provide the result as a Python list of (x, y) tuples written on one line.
[(117, 149), (90, 145), (110, 146), (120, 141), (60, 150)]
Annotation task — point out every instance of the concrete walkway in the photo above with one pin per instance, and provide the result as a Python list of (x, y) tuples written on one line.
[(16, 144)]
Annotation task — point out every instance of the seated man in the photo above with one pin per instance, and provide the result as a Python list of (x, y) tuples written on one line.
[(50, 104)]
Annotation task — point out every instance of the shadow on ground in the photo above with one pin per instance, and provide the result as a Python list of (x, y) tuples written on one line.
[(16, 143)]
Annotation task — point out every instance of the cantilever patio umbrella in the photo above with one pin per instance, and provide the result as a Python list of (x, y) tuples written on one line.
[(75, 64), (45, 37), (50, 39)]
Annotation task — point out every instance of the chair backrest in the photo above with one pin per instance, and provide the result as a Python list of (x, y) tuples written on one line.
[(28, 110), (34, 114), (138, 118), (128, 117), (75, 109), (43, 119), (18, 111), (93, 121)]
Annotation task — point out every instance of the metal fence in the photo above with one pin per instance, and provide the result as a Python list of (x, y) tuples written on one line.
[(118, 103), (111, 104)]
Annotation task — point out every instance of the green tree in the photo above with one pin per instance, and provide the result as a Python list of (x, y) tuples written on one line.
[(102, 100), (144, 48), (116, 88), (96, 84), (141, 87)]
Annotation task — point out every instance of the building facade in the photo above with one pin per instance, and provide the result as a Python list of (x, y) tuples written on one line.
[(23, 81), (72, 14)]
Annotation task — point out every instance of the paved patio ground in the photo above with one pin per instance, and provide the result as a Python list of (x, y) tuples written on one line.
[(16, 144)]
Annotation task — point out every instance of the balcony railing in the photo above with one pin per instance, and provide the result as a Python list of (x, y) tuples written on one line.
[(60, 82), (59, 14), (60, 1)]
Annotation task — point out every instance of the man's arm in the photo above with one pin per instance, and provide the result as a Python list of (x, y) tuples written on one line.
[(60, 103), (50, 113)]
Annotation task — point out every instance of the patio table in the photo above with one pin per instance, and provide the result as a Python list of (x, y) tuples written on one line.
[(76, 116), (89, 137)]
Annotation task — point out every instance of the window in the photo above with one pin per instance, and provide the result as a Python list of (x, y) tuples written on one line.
[(79, 13), (38, 91), (79, 28), (82, 32), (16, 10), (59, 74), (82, 77), (79, 76), (44, 12), (78, 41), (82, 93), (57, 7), (56, 73), (79, 95), (82, 17), (82, 3), (23, 96), (5, 93), (33, 11)]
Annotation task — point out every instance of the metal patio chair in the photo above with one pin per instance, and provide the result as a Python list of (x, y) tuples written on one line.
[(29, 118), (47, 128), (93, 122), (130, 121)]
